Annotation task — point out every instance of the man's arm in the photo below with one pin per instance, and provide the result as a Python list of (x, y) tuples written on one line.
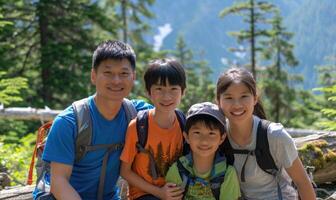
[(301, 180), (60, 186), (169, 191)]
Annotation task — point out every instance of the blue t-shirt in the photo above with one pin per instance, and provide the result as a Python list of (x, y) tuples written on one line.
[(85, 175)]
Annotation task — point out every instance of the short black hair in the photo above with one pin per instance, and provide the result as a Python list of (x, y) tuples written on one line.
[(163, 70), (113, 49), (209, 121)]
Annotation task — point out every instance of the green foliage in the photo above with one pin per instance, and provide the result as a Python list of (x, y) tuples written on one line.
[(328, 99), (281, 94), (15, 158), (329, 123), (10, 88), (199, 85), (254, 13)]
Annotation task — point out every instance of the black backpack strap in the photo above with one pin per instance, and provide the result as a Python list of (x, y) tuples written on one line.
[(215, 185), (229, 154), (263, 155), (226, 149), (142, 132), (182, 121), (142, 127), (84, 127), (262, 152), (130, 110)]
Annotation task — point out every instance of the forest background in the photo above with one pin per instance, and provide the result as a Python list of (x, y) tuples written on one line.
[(46, 48)]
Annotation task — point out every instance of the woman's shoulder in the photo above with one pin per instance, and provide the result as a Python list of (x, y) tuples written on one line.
[(276, 131)]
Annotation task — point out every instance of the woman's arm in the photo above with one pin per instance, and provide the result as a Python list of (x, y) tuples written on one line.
[(301, 180)]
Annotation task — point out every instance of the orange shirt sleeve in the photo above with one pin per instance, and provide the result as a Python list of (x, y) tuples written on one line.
[(129, 152)]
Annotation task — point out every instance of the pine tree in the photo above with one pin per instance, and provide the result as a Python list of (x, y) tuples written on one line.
[(328, 100), (51, 44), (277, 83), (254, 13), (199, 85)]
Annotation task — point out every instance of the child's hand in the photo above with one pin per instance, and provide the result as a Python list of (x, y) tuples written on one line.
[(170, 191)]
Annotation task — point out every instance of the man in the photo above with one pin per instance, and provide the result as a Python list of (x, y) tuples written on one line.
[(113, 74)]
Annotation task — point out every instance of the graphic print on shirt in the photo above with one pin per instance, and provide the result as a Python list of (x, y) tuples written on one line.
[(162, 160)]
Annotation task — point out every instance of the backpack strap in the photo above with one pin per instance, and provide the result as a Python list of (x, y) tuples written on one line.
[(142, 127), (263, 155), (84, 137), (185, 175), (84, 127), (182, 121), (262, 152), (215, 185), (215, 181), (130, 110), (142, 133), (218, 175), (41, 134)]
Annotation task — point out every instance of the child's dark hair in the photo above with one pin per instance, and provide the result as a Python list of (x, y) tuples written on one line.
[(162, 70), (240, 75), (209, 121), (115, 50)]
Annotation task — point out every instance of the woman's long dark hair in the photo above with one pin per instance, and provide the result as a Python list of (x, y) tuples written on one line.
[(240, 75)]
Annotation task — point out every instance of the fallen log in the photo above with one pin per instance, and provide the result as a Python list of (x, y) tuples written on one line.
[(17, 193), (319, 151), (29, 113)]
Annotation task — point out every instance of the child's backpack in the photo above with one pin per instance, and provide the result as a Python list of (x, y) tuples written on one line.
[(83, 146), (215, 181), (142, 132)]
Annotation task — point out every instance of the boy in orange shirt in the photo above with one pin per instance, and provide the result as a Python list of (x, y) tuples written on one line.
[(144, 167)]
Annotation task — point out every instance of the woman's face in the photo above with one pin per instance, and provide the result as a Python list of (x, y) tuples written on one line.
[(237, 103)]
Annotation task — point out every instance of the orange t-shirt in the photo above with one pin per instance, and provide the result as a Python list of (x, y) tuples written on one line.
[(165, 144)]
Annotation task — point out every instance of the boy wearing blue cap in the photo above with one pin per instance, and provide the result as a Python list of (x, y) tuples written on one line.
[(204, 173)]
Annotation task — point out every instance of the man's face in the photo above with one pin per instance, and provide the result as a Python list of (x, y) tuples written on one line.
[(113, 79)]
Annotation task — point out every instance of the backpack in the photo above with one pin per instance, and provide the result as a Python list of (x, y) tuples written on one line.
[(82, 147), (215, 181), (142, 133), (262, 153)]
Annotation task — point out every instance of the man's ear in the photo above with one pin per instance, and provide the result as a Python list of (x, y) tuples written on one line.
[(148, 94), (93, 76), (185, 135)]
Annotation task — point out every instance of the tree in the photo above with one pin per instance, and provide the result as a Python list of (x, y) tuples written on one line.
[(130, 18), (277, 82), (51, 44), (328, 100), (199, 85), (254, 13)]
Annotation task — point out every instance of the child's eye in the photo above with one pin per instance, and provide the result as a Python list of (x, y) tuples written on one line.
[(195, 132), (212, 133), (124, 74), (107, 72)]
